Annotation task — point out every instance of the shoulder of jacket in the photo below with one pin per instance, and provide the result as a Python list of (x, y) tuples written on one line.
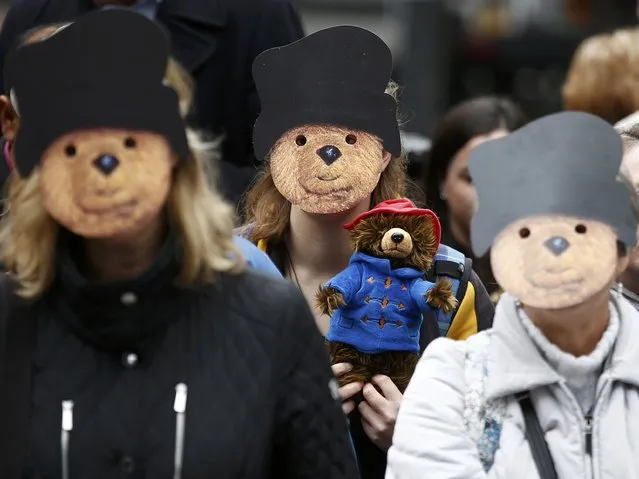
[(256, 295)]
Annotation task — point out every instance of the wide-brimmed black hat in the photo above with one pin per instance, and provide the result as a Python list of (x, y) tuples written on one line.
[(105, 70), (336, 76), (562, 164)]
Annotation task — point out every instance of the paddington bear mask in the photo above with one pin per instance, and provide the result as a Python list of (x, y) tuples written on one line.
[(327, 126), (102, 130), (552, 208)]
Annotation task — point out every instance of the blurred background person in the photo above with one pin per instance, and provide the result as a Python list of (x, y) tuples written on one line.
[(449, 188), (628, 128), (604, 76), (215, 40)]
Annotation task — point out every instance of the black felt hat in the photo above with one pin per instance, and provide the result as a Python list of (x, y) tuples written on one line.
[(566, 164), (336, 76), (105, 70)]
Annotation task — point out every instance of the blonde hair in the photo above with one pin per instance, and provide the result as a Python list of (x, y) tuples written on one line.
[(197, 211), (603, 78), (267, 212)]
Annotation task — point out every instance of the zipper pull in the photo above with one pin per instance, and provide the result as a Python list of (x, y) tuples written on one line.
[(179, 406), (588, 433), (67, 427)]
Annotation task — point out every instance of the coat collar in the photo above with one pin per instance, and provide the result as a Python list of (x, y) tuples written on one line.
[(195, 28), (516, 364)]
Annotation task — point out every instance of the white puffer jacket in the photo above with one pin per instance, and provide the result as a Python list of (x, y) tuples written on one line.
[(431, 440)]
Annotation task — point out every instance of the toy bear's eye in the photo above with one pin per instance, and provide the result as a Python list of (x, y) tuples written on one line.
[(581, 229), (70, 150), (300, 140), (351, 139), (129, 142), (524, 232)]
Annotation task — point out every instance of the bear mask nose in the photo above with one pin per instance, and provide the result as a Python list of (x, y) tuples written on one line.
[(106, 164), (557, 245), (397, 238), (329, 154)]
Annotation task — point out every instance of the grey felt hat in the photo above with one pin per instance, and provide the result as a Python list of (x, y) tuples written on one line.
[(566, 163)]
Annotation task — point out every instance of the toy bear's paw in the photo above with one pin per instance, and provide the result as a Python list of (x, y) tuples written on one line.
[(328, 300), (441, 296)]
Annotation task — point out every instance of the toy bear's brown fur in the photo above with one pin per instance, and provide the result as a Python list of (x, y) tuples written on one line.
[(367, 237)]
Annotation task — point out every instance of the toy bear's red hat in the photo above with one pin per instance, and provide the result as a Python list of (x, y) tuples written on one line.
[(401, 206)]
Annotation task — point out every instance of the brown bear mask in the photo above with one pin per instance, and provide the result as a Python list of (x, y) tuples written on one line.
[(327, 124), (104, 131), (551, 206)]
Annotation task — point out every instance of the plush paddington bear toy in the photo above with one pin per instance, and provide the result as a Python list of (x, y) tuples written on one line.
[(312, 116), (376, 303)]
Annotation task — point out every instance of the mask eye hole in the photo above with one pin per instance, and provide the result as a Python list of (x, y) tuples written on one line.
[(70, 151), (524, 232)]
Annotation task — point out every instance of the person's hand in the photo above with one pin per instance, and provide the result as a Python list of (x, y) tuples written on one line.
[(379, 411), (348, 391)]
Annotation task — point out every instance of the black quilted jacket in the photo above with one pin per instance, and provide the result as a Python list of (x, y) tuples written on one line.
[(259, 403)]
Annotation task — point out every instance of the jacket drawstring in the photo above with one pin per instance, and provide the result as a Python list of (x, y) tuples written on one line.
[(67, 427), (179, 406)]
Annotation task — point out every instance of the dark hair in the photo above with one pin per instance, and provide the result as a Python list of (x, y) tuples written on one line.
[(478, 116)]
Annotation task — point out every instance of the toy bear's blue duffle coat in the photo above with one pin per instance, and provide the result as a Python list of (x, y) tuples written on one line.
[(384, 306)]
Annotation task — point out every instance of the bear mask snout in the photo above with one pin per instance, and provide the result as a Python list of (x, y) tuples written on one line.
[(106, 164), (329, 154)]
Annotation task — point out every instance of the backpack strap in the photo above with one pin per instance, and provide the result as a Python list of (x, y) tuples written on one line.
[(452, 264), (536, 439), (17, 335)]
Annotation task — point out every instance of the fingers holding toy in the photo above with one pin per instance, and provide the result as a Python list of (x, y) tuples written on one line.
[(349, 390), (379, 411)]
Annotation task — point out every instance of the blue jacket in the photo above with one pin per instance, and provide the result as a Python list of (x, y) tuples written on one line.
[(384, 306), (255, 257)]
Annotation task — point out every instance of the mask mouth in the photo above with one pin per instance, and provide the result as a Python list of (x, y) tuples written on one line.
[(125, 208), (327, 177), (551, 282)]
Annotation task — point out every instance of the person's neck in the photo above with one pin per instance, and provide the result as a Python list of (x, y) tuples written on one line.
[(576, 330), (460, 234), (124, 258), (319, 243)]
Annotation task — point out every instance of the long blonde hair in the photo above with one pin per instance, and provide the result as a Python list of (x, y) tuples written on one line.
[(202, 219), (603, 78)]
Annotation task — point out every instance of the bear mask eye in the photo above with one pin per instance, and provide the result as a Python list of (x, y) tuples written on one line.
[(351, 139), (524, 232), (581, 229), (300, 140), (129, 142), (70, 150)]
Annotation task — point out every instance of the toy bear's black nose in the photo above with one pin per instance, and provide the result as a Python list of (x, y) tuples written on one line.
[(557, 245), (106, 163), (329, 154), (397, 238)]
